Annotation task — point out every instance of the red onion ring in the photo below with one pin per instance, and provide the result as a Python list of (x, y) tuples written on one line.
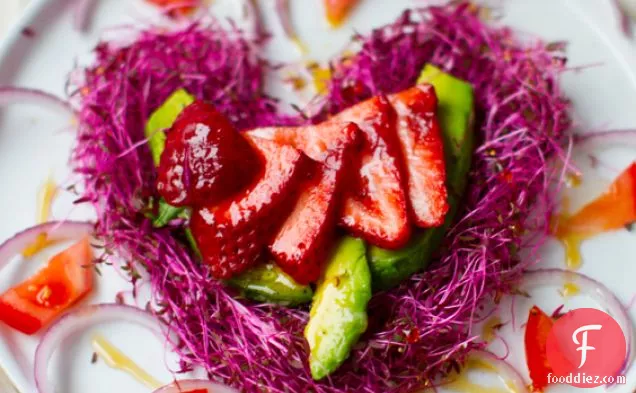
[(252, 17), (506, 370), (55, 231), (194, 384), (284, 17), (623, 17), (81, 13), (80, 319), (594, 289), (12, 95), (606, 139)]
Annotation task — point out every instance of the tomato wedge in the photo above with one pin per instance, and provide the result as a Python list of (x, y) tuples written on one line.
[(536, 338), (613, 210), (338, 10), (176, 8), (35, 303)]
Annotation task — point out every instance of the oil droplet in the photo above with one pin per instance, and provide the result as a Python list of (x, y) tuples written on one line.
[(321, 77), (490, 329), (573, 180), (463, 383), (347, 56), (46, 196), (335, 21), (40, 243), (572, 244), (570, 240), (486, 14), (570, 289), (300, 45), (114, 358), (296, 82)]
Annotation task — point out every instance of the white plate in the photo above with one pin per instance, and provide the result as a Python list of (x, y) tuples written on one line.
[(34, 144)]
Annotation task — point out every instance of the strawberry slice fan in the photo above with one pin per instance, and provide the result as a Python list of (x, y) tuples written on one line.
[(375, 169)]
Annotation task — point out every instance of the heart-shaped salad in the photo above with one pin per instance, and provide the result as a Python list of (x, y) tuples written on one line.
[(350, 246)]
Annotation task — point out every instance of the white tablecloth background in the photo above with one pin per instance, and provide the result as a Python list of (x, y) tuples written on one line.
[(9, 10)]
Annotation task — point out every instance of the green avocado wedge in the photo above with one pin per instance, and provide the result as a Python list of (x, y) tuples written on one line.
[(162, 119), (338, 315), (456, 115), (269, 284)]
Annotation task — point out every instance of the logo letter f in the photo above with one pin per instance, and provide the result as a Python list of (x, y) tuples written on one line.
[(583, 344)]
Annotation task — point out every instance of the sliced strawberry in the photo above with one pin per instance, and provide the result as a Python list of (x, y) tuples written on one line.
[(375, 207), (315, 141), (302, 244), (232, 235), (423, 151), (205, 160)]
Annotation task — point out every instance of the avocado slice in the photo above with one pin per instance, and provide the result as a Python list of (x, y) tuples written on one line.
[(160, 120), (338, 315), (456, 116), (269, 284)]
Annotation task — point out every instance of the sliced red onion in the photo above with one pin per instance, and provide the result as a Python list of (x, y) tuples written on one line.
[(194, 384), (623, 17), (13, 95), (284, 17), (605, 139), (508, 373), (55, 231), (78, 320), (592, 288), (252, 17), (81, 13)]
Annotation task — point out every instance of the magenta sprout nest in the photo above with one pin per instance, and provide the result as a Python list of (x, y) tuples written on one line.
[(417, 331)]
